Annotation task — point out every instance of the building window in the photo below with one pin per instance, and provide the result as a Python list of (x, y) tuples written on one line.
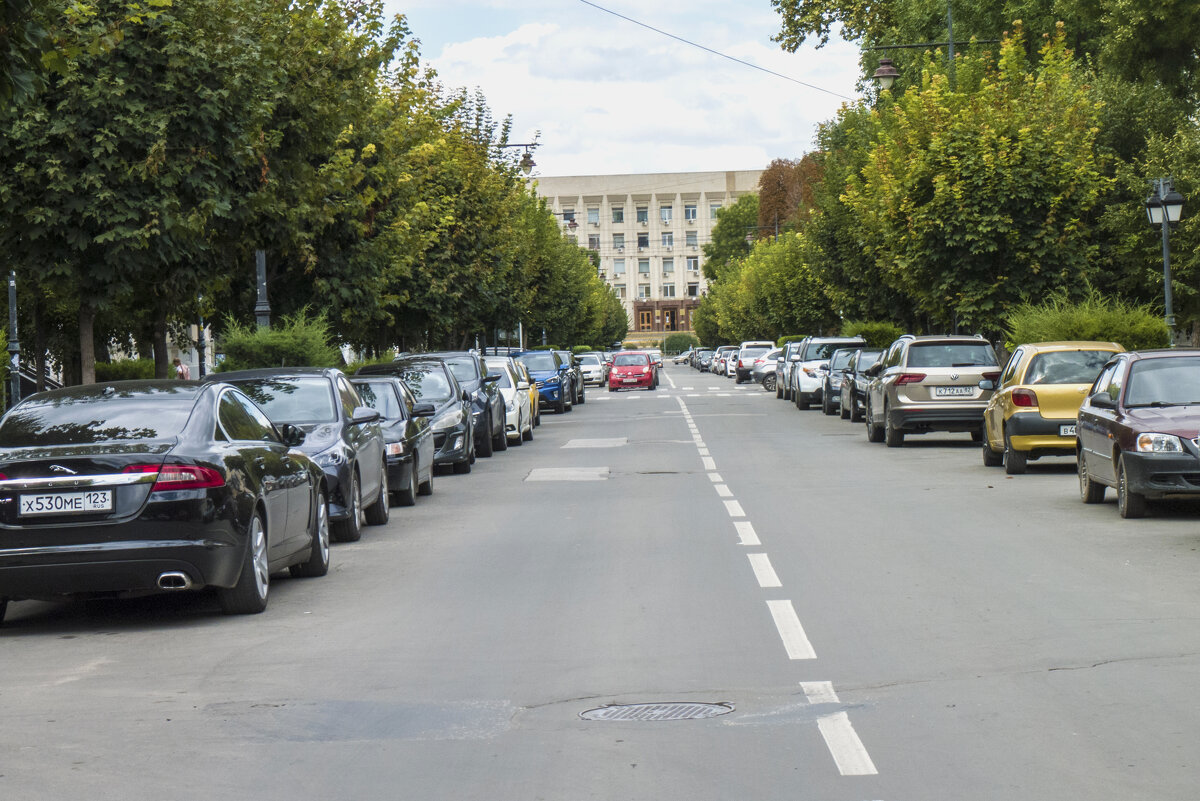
[(594, 216), (618, 214), (713, 208), (644, 266), (643, 214), (568, 215), (668, 239), (668, 290), (668, 265), (689, 212), (618, 266), (693, 263), (643, 240), (693, 290), (664, 213), (620, 290), (643, 291), (645, 320), (619, 241), (691, 240), (593, 241)]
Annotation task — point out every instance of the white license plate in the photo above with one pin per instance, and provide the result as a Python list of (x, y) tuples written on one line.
[(1066, 431), (953, 392), (630, 380), (66, 503)]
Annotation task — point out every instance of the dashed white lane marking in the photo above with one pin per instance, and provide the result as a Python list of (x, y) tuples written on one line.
[(847, 749), (610, 442), (704, 452), (687, 389), (745, 530), (708, 462), (819, 692), (795, 641), (567, 474), (714, 389), (760, 563), (724, 491), (735, 509), (669, 381)]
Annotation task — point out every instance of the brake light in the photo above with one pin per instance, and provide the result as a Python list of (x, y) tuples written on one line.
[(739, 362), (179, 476), (910, 378), (1024, 397)]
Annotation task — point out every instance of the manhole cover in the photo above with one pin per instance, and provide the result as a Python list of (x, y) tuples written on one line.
[(671, 711)]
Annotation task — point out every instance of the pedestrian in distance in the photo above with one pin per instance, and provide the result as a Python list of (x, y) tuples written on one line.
[(182, 371)]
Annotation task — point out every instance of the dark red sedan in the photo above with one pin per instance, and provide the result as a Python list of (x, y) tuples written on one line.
[(632, 369), (1137, 430)]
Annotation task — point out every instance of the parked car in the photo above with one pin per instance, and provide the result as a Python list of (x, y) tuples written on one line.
[(407, 437), (593, 368), (703, 360), (807, 379), (518, 417), (534, 398), (744, 361), (632, 370), (721, 357), (138, 487), (1136, 430), (430, 380), (550, 374), (575, 375), (656, 357), (342, 436), (784, 364), (834, 372), (1032, 412), (854, 383), (682, 358), (929, 383), (763, 371), (487, 408)]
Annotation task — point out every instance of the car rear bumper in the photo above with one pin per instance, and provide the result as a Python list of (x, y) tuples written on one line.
[(1161, 475), (933, 419), (1029, 431)]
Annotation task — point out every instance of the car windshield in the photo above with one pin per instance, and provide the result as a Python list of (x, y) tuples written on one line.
[(866, 359), (840, 359), (1167, 381), (631, 360), (543, 361), (1066, 367), (463, 367), (500, 370), (380, 396), (751, 353), (588, 359), (427, 382), (117, 418), (820, 350), (299, 401), (951, 354)]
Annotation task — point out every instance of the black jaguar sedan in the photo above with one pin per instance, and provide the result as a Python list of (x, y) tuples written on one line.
[(137, 487)]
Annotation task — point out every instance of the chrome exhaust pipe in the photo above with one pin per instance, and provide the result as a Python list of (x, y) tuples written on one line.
[(174, 580)]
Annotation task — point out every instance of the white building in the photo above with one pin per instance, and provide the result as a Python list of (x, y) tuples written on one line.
[(648, 231)]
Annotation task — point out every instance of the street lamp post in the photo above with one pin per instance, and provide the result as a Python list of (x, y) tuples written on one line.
[(262, 309), (14, 347), (1164, 207), (526, 163)]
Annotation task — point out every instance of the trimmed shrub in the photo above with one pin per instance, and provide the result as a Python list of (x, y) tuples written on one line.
[(1096, 317), (582, 349), (295, 341), (877, 334), (352, 367), (679, 342), (789, 338), (125, 370)]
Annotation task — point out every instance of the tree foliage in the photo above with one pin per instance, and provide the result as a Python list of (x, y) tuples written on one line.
[(1063, 316)]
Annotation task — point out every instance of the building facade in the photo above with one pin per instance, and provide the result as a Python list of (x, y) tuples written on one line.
[(648, 232)]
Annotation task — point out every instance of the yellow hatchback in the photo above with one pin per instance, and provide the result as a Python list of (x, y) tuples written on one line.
[(1032, 412)]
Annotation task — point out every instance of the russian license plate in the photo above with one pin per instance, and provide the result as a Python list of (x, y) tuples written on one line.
[(953, 392), (66, 503), (630, 380), (1066, 431)]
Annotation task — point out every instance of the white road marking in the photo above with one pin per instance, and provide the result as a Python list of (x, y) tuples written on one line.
[(567, 474), (714, 389), (795, 641), (724, 491), (847, 749), (715, 478), (704, 452), (687, 389), (610, 442), (819, 692), (745, 530), (734, 508), (708, 463), (760, 563), (724, 395), (669, 381)]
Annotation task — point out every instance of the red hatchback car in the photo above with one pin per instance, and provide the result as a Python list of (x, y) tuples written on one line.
[(630, 370)]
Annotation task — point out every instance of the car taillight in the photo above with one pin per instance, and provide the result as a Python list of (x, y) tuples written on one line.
[(179, 476), (910, 378), (1024, 397), (739, 362)]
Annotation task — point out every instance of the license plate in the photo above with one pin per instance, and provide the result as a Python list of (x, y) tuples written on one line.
[(1066, 431), (953, 392), (66, 503), (630, 380)]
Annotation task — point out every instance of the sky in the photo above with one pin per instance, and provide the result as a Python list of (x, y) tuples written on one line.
[(605, 96)]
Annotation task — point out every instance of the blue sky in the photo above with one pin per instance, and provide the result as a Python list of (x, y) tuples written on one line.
[(611, 97)]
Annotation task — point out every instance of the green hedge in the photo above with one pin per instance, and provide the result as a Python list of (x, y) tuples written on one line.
[(779, 343), (295, 341), (578, 349), (1096, 317), (878, 334), (126, 370), (679, 342)]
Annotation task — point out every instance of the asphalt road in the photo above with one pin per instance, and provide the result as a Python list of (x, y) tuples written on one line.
[(885, 624)]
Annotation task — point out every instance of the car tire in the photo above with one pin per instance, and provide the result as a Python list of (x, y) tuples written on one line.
[(771, 384), (520, 440), (379, 512), (582, 395), (408, 495), (827, 403), (463, 467), (425, 488), (318, 558), (500, 441), (3, 609), (528, 435), (570, 405), (611, 388), (990, 457), (561, 405), (1015, 461), (1089, 491), (801, 404), (249, 595), (843, 411), (856, 414), (874, 432), (486, 442), (350, 529), (1130, 505), (892, 436)]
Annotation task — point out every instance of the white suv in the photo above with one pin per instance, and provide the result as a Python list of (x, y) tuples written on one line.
[(815, 352)]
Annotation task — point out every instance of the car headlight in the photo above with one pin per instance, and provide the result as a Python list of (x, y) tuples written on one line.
[(448, 420), (509, 406), (1159, 443), (395, 449), (331, 456)]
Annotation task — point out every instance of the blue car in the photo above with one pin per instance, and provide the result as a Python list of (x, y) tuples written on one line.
[(554, 382)]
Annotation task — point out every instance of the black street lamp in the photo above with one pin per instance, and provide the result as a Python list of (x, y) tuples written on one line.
[(526, 163), (1164, 208), (14, 346)]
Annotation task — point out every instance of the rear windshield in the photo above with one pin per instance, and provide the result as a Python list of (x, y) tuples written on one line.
[(504, 381), (70, 421), (427, 382), (463, 367), (1067, 367), (538, 361), (752, 353), (380, 396), (866, 359), (299, 401), (821, 350), (631, 360), (951, 354), (1169, 381), (589, 359)]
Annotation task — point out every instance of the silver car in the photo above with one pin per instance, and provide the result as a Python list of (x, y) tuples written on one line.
[(763, 371)]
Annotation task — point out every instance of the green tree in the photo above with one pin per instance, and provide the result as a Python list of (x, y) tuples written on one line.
[(736, 226)]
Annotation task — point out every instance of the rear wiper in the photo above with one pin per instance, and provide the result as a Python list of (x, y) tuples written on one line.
[(968, 364)]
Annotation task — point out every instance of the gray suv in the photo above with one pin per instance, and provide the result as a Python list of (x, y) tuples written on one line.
[(929, 383)]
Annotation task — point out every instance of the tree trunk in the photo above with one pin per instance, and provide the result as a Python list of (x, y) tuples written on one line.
[(162, 367), (87, 344)]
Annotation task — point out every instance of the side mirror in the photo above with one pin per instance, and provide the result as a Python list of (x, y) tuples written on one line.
[(562, 368), (364, 414), (1102, 400), (987, 385), (823, 366), (292, 436), (523, 386), (424, 410), (466, 396), (873, 370), (491, 378)]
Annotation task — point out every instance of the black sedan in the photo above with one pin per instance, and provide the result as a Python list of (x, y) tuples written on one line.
[(137, 487), (343, 437), (487, 407), (406, 435), (430, 381)]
